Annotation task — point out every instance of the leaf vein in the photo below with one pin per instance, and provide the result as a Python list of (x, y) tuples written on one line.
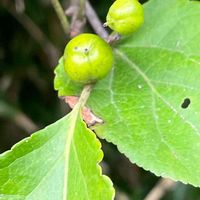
[(153, 89)]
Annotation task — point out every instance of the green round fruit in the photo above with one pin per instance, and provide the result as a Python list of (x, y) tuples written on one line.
[(125, 16), (87, 58)]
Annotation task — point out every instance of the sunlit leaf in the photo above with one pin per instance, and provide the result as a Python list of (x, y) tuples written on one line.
[(150, 101), (58, 162)]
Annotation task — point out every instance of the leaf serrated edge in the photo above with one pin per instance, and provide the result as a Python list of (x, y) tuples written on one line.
[(139, 164), (100, 158)]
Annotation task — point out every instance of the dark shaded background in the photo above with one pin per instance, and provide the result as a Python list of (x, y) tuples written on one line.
[(28, 100)]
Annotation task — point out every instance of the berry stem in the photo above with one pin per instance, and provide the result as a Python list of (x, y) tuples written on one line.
[(84, 96), (61, 15)]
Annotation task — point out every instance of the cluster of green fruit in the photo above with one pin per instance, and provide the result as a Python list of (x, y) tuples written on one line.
[(87, 57)]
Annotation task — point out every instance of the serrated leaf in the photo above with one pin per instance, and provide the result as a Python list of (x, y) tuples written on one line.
[(58, 162), (141, 102)]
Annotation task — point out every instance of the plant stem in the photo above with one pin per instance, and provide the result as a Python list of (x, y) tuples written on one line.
[(61, 15), (84, 96), (160, 189), (94, 21), (76, 10), (82, 8)]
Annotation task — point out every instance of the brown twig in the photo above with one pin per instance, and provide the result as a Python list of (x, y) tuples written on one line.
[(94, 21), (20, 6), (36, 33), (160, 189), (77, 11), (98, 26)]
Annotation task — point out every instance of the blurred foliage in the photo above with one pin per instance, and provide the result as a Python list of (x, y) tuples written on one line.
[(26, 85)]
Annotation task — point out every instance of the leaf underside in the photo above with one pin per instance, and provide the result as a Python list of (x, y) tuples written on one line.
[(150, 100)]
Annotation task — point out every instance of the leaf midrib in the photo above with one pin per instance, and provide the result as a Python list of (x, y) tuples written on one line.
[(178, 51), (74, 116)]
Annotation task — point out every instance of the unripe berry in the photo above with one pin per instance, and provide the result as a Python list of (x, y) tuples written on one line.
[(125, 16), (87, 58)]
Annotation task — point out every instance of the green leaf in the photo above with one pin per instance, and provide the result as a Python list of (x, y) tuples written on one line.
[(58, 162), (155, 70), (63, 84)]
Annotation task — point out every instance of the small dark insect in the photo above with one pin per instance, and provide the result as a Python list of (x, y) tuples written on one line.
[(185, 103)]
